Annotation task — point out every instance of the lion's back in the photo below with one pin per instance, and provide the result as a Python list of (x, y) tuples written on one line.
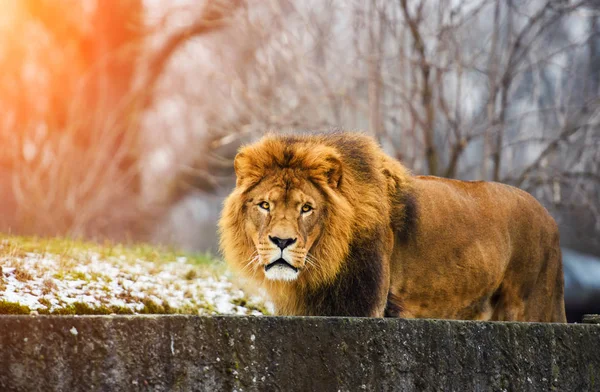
[(484, 196)]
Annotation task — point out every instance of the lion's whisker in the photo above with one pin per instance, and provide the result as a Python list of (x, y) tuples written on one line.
[(312, 261), (251, 260)]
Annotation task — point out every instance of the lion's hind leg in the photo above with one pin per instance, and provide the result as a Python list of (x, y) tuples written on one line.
[(545, 301), (538, 299), (558, 303), (507, 304)]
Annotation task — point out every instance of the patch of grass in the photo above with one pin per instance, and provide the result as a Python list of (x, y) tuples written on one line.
[(49, 286), (68, 253), (156, 254), (77, 275), (45, 302), (22, 275), (250, 305), (151, 307), (23, 245), (208, 308), (74, 249)]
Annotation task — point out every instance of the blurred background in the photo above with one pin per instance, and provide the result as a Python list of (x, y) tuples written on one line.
[(120, 118)]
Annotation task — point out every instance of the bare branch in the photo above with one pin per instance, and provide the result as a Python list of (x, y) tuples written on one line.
[(426, 92)]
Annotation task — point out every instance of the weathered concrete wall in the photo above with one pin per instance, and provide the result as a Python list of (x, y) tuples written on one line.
[(181, 353)]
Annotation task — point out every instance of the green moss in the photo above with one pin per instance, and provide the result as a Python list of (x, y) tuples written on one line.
[(240, 301), (191, 274), (187, 310), (209, 308), (555, 370), (66, 311), (81, 308), (7, 307), (151, 307)]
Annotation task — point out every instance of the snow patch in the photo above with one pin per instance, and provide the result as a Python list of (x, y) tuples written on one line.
[(48, 283)]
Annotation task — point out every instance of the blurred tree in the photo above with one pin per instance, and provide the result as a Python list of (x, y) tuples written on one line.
[(97, 52), (72, 128), (77, 78)]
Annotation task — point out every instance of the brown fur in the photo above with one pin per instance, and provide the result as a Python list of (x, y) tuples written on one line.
[(383, 242)]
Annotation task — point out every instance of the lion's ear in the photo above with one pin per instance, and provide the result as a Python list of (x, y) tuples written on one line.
[(242, 168), (333, 171), (326, 164)]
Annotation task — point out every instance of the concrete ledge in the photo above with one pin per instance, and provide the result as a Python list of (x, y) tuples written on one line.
[(171, 353)]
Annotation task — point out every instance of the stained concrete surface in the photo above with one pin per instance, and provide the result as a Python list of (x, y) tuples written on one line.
[(189, 353)]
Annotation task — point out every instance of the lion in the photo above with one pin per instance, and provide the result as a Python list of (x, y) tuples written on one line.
[(329, 225)]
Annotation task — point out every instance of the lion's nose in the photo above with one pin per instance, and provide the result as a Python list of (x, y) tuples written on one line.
[(282, 243)]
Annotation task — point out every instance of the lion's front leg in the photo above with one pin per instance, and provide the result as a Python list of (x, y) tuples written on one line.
[(361, 288)]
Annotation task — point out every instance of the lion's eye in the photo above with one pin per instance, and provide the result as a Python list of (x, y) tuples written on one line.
[(264, 205), (306, 208)]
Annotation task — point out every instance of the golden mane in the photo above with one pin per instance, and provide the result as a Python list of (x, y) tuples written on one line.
[(355, 207)]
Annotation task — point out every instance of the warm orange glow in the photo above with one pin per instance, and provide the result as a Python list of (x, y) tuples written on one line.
[(11, 11), (44, 60)]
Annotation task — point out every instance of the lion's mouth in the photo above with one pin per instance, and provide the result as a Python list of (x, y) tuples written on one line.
[(280, 262)]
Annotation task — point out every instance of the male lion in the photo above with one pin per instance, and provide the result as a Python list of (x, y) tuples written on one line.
[(329, 225)]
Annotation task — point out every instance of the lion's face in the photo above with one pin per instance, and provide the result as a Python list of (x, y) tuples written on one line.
[(288, 219), (283, 221)]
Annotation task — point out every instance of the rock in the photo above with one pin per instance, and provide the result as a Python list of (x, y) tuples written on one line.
[(591, 318)]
